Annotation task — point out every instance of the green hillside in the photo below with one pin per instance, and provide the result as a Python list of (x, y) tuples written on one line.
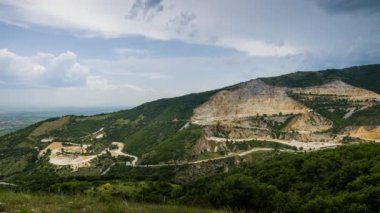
[(149, 129), (278, 178), (365, 76)]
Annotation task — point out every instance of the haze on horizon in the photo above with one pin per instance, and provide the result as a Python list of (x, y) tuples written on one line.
[(91, 53)]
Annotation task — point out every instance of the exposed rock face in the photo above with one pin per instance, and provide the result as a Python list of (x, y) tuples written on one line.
[(236, 132), (309, 138), (249, 99), (307, 123), (339, 90), (364, 132), (248, 133), (204, 145), (255, 110)]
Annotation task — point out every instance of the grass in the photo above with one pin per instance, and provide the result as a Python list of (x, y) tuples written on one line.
[(122, 122), (25, 202), (93, 118), (46, 127)]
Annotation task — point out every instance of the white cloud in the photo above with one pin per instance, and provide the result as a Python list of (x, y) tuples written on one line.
[(254, 27), (165, 20), (48, 70), (275, 37), (13, 66), (42, 69), (97, 82)]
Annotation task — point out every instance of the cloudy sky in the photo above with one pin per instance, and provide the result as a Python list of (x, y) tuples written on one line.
[(88, 53)]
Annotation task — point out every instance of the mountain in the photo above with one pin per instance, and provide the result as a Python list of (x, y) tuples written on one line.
[(183, 139), (309, 108)]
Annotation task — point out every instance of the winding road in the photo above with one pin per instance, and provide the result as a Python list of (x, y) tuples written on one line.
[(306, 147), (133, 164), (120, 146), (119, 151)]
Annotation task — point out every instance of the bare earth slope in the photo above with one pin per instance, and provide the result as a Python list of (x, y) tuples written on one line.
[(365, 132), (307, 123), (339, 90), (257, 110), (250, 99)]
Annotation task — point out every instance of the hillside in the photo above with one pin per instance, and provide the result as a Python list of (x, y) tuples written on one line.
[(302, 110), (165, 146)]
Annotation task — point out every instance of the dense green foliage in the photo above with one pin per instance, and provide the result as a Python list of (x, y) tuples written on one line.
[(26, 202), (13, 161), (369, 116), (359, 76), (346, 179), (155, 125), (177, 146)]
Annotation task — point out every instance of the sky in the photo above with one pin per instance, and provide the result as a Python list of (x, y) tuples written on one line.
[(103, 53)]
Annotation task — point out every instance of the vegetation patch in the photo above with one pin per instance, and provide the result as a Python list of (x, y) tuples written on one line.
[(25, 202), (49, 126)]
